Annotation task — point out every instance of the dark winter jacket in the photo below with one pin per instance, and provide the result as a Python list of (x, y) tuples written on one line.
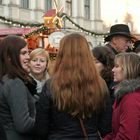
[(111, 48), (17, 109), (126, 112), (56, 125), (2, 133)]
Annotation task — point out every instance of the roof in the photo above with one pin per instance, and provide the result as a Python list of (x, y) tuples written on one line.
[(15, 31)]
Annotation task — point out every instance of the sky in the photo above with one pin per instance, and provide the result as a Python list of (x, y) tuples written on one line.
[(114, 11)]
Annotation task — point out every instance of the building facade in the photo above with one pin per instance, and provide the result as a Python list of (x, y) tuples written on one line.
[(84, 14)]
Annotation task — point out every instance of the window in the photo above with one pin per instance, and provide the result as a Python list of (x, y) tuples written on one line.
[(25, 4), (0, 1), (48, 5), (69, 7), (87, 9)]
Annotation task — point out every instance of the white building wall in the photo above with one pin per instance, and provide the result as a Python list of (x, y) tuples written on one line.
[(12, 9), (81, 8), (6, 1), (75, 8)]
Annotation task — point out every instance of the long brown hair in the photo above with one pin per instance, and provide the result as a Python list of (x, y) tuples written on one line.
[(77, 87)]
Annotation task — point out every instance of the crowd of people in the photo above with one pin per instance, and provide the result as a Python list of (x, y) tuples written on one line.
[(88, 94)]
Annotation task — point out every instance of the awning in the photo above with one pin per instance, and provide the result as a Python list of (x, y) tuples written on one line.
[(15, 31)]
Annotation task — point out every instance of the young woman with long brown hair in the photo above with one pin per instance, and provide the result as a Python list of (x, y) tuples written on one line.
[(76, 93)]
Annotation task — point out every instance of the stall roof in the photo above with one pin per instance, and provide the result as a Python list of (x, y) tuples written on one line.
[(15, 31)]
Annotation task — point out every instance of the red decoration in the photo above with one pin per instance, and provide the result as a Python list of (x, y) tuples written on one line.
[(51, 49), (33, 42)]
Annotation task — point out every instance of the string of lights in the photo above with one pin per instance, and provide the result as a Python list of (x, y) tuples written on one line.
[(92, 33), (19, 24), (43, 28), (37, 31)]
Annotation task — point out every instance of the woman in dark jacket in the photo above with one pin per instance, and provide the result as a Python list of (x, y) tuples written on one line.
[(104, 60), (17, 104), (2, 133), (75, 103)]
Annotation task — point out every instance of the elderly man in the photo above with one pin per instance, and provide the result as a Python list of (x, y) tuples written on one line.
[(119, 39)]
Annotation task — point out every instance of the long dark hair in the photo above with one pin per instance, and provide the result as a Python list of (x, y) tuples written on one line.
[(106, 57), (10, 64)]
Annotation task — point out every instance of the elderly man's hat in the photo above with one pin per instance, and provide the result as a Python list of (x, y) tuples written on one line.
[(119, 29)]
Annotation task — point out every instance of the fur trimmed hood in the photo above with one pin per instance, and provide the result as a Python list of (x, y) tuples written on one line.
[(125, 87)]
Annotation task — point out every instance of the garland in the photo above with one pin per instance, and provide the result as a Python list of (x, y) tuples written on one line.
[(83, 29), (39, 30), (20, 24)]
